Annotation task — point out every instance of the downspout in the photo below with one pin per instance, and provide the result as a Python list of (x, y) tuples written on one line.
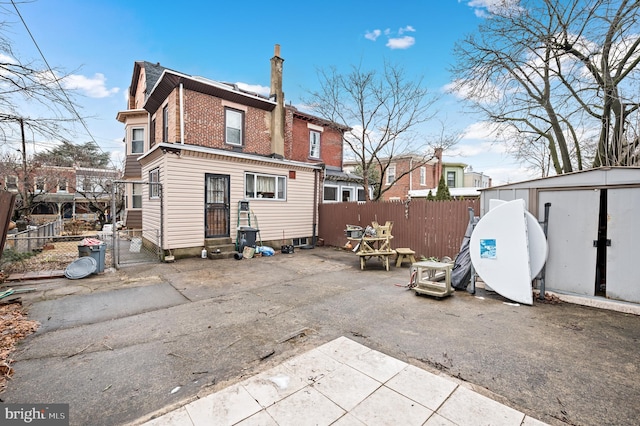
[(181, 114), (316, 182)]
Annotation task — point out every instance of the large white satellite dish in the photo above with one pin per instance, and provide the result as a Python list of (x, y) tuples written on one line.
[(538, 247), (499, 250)]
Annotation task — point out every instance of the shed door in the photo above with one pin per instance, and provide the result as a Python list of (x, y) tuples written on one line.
[(623, 229), (573, 226), (216, 207)]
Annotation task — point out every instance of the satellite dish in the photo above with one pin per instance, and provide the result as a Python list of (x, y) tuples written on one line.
[(538, 247), (499, 250)]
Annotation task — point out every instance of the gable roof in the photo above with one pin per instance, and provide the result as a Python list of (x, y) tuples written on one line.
[(152, 74)]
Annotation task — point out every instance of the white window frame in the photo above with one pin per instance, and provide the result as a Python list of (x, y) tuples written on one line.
[(40, 185), (63, 185), (228, 114), (391, 174), (314, 144), (135, 141), (85, 184), (279, 186), (136, 195), (328, 200), (154, 180), (423, 176), (348, 189), (451, 173), (358, 190), (11, 183)]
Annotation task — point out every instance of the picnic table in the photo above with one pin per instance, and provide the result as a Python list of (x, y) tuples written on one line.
[(375, 245)]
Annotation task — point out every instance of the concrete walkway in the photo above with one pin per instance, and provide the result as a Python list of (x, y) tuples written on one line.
[(345, 383)]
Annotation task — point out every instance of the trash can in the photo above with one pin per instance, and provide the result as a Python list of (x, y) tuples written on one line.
[(246, 237), (97, 252)]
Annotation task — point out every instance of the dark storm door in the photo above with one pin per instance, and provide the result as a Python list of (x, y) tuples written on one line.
[(216, 206)]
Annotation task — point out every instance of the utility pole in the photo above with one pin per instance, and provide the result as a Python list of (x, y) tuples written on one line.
[(25, 178)]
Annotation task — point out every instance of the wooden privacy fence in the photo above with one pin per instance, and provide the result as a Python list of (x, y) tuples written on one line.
[(430, 228)]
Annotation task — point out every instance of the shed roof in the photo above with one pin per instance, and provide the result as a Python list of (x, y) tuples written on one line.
[(602, 176)]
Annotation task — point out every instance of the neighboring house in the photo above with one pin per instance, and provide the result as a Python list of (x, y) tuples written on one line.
[(67, 192), (476, 179), (197, 147), (460, 181), (342, 186), (453, 174), (421, 177)]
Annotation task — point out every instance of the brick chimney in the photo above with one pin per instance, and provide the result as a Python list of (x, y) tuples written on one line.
[(277, 115), (438, 167)]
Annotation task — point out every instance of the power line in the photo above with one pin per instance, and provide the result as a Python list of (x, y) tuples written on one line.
[(57, 80)]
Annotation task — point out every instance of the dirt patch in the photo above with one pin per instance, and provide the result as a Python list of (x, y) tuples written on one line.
[(44, 261), (14, 326)]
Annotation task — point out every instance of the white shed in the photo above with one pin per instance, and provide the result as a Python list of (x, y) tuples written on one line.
[(593, 235)]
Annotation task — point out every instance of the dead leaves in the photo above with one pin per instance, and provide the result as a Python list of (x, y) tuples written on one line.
[(14, 326)]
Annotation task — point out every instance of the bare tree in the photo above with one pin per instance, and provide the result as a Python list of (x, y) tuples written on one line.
[(32, 99), (525, 71), (383, 111)]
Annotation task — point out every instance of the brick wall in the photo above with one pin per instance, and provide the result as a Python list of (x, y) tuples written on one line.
[(205, 124), (297, 148), (411, 181)]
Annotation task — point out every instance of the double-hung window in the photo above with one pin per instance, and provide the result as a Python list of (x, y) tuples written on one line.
[(137, 141), (154, 181), (62, 185), (314, 144), (136, 196), (12, 183), (391, 174), (451, 179), (234, 125), (423, 176), (265, 186), (40, 184)]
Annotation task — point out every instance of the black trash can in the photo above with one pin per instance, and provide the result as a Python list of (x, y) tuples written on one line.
[(246, 237)]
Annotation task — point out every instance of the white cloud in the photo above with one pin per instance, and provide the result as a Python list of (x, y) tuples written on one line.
[(394, 39), (254, 88), (485, 8), (7, 59), (407, 29), (372, 35), (401, 42), (94, 87), (467, 89)]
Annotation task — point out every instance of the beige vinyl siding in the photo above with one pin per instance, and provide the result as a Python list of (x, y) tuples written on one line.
[(184, 198), (294, 216), (151, 207)]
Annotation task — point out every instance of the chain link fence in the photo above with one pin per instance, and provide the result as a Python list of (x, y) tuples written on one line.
[(55, 245)]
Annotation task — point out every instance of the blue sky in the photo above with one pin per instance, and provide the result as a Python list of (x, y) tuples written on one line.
[(98, 41)]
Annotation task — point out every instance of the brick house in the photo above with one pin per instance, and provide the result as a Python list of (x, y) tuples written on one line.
[(65, 192), (415, 174), (211, 145)]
